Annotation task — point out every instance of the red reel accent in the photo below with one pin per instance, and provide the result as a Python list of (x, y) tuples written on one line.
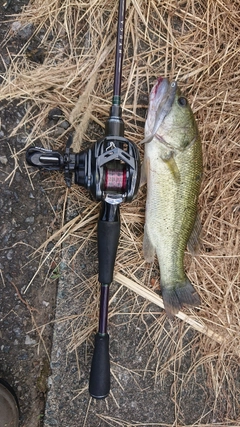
[(115, 180)]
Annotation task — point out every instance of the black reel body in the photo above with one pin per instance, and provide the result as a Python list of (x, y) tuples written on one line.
[(109, 170)]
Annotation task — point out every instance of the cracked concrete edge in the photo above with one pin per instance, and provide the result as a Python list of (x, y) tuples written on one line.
[(62, 380)]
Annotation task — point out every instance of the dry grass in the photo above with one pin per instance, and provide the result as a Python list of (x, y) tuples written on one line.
[(114, 422), (199, 44)]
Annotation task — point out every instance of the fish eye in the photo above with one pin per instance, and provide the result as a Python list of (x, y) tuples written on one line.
[(182, 101)]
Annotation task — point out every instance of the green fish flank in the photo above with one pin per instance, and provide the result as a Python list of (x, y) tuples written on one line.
[(173, 168)]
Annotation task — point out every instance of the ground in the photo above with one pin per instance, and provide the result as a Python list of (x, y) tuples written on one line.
[(27, 214), (32, 298)]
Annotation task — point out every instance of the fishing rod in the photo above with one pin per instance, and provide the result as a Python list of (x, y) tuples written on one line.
[(110, 171)]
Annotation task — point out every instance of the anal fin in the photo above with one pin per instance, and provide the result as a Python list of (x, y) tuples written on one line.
[(148, 248), (194, 239)]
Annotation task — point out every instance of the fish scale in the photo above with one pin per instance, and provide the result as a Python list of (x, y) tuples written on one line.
[(173, 169)]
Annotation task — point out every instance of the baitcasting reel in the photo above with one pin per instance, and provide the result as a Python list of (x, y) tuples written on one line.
[(109, 170)]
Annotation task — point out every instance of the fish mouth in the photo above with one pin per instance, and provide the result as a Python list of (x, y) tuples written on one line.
[(158, 92), (160, 103)]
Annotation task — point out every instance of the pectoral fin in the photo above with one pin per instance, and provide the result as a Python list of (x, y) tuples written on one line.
[(172, 166), (148, 248)]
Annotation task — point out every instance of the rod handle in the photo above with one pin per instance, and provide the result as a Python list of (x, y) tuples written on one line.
[(108, 237), (99, 384)]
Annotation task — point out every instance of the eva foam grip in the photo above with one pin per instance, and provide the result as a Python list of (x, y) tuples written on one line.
[(99, 384), (108, 237)]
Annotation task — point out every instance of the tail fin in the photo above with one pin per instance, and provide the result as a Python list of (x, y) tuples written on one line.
[(176, 296)]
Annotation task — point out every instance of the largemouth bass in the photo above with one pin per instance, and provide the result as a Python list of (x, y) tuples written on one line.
[(173, 169)]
